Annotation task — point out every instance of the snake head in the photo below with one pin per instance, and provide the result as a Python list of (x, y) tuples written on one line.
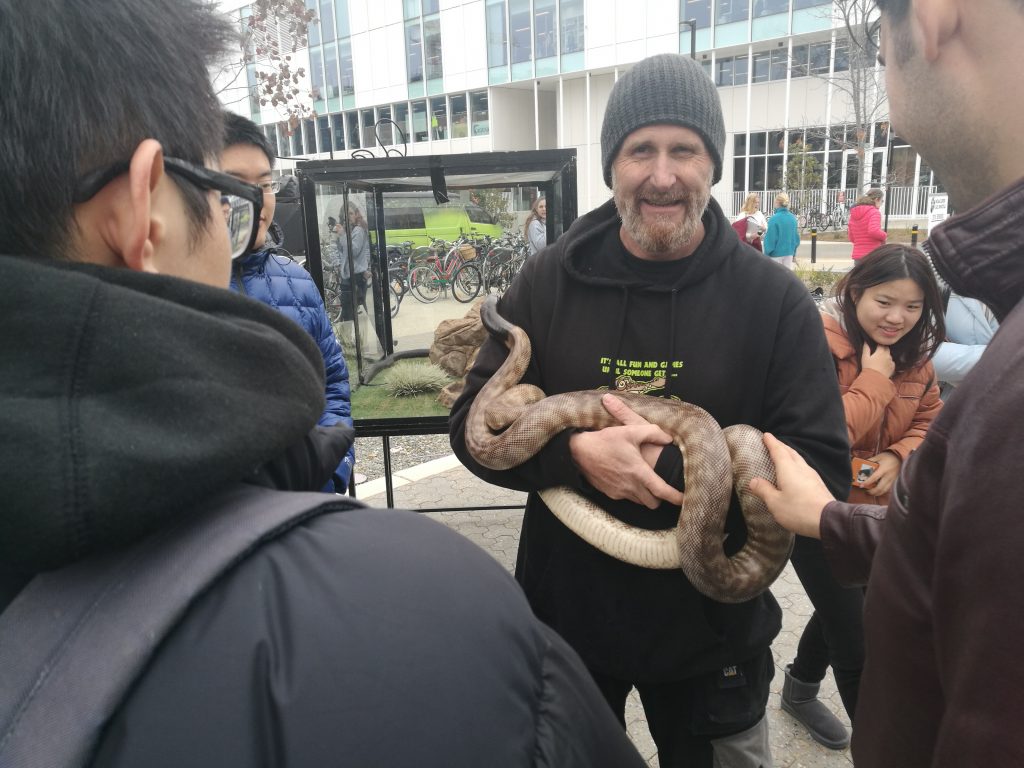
[(496, 325)]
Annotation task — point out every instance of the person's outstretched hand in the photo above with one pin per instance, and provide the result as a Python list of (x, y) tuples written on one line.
[(797, 502), (619, 461)]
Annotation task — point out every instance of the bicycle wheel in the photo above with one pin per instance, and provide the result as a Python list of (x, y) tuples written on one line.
[(466, 283), (802, 221), (396, 301), (332, 303), (425, 284)]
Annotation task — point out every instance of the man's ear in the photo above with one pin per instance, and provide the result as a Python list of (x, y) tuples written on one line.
[(936, 21), (141, 228)]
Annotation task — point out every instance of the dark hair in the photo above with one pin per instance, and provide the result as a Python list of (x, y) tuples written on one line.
[(896, 9), (85, 83), (870, 197), (885, 264), (241, 130)]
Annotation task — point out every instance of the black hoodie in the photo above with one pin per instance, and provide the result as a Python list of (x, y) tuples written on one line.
[(366, 637), (726, 329)]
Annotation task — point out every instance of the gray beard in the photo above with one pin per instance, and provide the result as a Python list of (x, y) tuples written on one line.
[(668, 236)]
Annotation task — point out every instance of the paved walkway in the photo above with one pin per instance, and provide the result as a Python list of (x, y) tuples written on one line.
[(445, 483)]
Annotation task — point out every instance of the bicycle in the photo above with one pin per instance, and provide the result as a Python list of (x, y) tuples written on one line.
[(427, 282)]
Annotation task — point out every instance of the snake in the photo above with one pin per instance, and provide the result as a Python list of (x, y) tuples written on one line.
[(510, 422)]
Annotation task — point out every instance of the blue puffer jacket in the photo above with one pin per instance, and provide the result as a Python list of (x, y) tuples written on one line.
[(275, 279)]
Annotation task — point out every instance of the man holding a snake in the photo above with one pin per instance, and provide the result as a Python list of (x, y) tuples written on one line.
[(654, 286), (943, 683)]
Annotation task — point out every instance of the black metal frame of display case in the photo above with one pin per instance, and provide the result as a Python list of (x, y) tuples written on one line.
[(553, 171)]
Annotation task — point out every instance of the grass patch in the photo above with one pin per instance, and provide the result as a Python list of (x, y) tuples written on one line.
[(408, 388), (818, 278)]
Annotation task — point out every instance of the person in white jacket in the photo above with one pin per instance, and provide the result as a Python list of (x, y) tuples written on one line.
[(970, 325)]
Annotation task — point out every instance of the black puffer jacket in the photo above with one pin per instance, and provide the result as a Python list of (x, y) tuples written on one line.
[(369, 637)]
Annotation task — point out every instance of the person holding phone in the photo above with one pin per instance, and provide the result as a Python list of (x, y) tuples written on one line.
[(883, 327)]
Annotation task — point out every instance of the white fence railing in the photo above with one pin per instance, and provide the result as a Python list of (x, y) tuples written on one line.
[(904, 202)]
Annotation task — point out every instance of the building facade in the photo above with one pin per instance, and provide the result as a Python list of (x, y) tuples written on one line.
[(448, 76)]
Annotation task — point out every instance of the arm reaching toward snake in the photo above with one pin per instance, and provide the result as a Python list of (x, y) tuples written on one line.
[(619, 461), (798, 501)]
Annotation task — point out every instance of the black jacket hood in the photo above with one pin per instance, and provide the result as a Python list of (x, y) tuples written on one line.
[(125, 398), (588, 231)]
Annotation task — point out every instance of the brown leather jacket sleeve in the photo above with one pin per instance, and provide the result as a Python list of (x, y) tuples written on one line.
[(850, 534)]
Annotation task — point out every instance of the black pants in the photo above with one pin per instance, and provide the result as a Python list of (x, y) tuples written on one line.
[(835, 632), (684, 716)]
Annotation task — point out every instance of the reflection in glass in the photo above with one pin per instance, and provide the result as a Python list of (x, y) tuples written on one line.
[(571, 23), (414, 51), (544, 31), (481, 116), (497, 34)]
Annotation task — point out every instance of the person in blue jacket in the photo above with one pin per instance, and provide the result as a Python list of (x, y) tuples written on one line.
[(783, 237), (269, 274)]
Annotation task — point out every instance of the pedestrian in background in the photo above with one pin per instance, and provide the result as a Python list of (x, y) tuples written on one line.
[(536, 230), (865, 227), (783, 237)]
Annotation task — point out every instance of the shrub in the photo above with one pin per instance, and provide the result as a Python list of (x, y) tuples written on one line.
[(414, 377)]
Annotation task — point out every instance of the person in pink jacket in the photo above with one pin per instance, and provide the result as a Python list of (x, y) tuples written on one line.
[(865, 228)]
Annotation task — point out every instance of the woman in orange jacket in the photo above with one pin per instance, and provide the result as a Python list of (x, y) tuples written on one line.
[(883, 328)]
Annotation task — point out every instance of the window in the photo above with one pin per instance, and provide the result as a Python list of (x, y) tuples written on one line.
[(419, 121), (412, 9), (460, 122), (497, 36), (727, 11), (338, 131), (316, 74), (519, 24), (544, 29), (571, 25), (331, 66), (798, 4), (348, 85), (432, 47), (779, 64), (881, 134), (324, 124), (431, 7), (314, 28), (699, 10), (385, 129), (842, 62), (723, 76), (368, 137), (327, 21), (438, 119), (414, 51), (762, 65), (800, 53), (769, 7), (819, 58), (481, 117), (758, 143), (341, 15), (739, 144), (402, 118), (309, 128), (296, 148), (352, 123), (739, 174), (478, 215), (740, 65)]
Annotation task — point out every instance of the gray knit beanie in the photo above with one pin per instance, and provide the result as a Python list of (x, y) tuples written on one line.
[(667, 88)]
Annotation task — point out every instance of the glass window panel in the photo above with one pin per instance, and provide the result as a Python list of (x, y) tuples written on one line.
[(283, 142), (402, 118), (835, 169), (327, 20), (272, 137), (727, 11), (724, 74), (770, 7), (777, 142), (412, 9), (296, 142), (331, 70), (481, 114), (314, 28), (739, 173), (497, 35), (571, 25), (352, 123), (758, 143), (706, 66), (757, 173), (544, 30), (697, 9), (438, 119), (740, 66), (316, 74), (842, 62), (876, 169), (800, 54), (414, 51), (341, 16), (309, 128), (519, 26), (779, 64), (739, 144), (836, 135), (762, 63), (431, 6), (775, 174), (366, 121), (881, 134), (348, 82), (338, 131), (385, 129), (819, 58), (432, 47), (419, 121), (323, 124), (816, 138), (798, 4), (460, 120)]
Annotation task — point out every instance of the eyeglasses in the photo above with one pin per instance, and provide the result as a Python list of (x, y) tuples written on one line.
[(270, 187), (241, 203)]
